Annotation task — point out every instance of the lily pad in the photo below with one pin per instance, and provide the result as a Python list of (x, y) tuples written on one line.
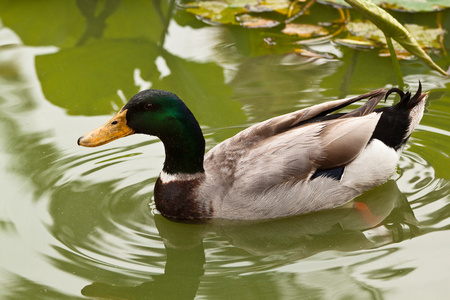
[(304, 30), (280, 6), (250, 21), (413, 6), (355, 42), (271, 13), (365, 33), (227, 12), (313, 54), (393, 29), (402, 5), (216, 11)]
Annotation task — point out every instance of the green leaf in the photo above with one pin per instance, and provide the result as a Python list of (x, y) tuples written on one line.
[(227, 12), (402, 5), (250, 21), (392, 28), (365, 33), (304, 30), (280, 6), (414, 6), (216, 11)]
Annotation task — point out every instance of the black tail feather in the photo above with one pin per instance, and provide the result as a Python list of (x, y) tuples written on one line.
[(416, 98), (406, 102), (397, 122), (395, 90)]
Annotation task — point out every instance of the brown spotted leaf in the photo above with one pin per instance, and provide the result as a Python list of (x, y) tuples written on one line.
[(250, 21), (304, 30)]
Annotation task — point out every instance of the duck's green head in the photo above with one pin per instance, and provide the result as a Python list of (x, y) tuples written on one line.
[(154, 112), (162, 114)]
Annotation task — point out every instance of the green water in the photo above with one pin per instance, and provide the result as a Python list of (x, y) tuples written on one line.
[(78, 222)]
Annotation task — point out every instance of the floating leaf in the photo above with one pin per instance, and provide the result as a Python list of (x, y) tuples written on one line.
[(402, 5), (216, 11), (427, 37), (399, 53), (280, 6), (269, 13), (312, 54), (227, 12), (250, 21), (365, 32), (413, 6), (304, 30), (365, 29), (336, 3), (392, 28), (355, 42)]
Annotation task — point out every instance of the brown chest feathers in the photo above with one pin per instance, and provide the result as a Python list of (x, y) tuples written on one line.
[(177, 199)]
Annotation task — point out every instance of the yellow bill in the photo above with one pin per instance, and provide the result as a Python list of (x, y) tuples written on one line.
[(112, 130)]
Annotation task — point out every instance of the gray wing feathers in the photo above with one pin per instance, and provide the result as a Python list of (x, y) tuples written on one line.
[(285, 122), (344, 139), (297, 154), (266, 158), (368, 107), (274, 126), (290, 157)]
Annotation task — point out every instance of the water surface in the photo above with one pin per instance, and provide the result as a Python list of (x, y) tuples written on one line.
[(78, 222)]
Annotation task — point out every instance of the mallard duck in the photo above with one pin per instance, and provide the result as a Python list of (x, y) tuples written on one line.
[(304, 161)]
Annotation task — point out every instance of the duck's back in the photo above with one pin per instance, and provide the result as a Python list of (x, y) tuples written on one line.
[(308, 160), (274, 177), (266, 170)]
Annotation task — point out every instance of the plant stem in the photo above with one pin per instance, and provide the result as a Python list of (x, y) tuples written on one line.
[(395, 63)]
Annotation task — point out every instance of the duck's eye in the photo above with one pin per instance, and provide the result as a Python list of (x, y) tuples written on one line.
[(150, 106)]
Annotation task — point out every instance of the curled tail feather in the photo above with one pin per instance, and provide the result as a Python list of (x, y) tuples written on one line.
[(407, 102), (403, 117)]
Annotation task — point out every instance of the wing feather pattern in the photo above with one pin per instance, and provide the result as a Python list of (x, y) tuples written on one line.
[(343, 139)]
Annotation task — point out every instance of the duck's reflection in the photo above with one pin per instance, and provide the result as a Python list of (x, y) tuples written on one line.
[(379, 217)]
